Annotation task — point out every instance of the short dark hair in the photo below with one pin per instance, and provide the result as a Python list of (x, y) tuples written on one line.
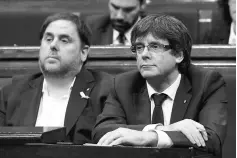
[(168, 28), (142, 1), (83, 30)]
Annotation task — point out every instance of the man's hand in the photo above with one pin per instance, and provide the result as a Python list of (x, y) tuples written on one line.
[(125, 136), (193, 130)]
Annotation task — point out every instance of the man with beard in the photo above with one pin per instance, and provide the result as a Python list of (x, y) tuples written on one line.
[(65, 93), (116, 27)]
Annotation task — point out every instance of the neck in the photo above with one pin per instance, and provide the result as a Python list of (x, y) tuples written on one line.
[(160, 83), (58, 86), (234, 24)]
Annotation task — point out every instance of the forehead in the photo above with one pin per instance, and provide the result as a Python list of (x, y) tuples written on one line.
[(125, 3), (150, 38), (62, 27)]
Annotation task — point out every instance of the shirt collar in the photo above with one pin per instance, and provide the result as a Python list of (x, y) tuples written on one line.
[(232, 37), (170, 91), (45, 88)]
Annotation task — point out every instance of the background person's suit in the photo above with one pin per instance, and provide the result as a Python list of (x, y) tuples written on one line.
[(19, 103), (200, 97), (102, 30)]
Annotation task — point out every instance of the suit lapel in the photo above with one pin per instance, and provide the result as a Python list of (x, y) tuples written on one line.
[(30, 100), (141, 103), (181, 100), (84, 83)]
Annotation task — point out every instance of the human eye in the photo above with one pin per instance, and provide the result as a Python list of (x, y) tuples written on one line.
[(114, 6), (129, 9), (48, 38), (139, 47), (65, 39), (154, 46)]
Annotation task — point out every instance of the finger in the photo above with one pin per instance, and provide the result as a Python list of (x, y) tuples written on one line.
[(199, 126), (204, 134), (198, 138), (196, 135), (102, 139), (112, 137), (189, 136), (192, 134), (195, 139), (202, 129), (118, 141)]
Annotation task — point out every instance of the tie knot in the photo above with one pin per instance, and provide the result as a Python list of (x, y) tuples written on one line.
[(121, 38), (159, 98)]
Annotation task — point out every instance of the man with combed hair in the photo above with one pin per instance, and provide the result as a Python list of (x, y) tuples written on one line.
[(115, 27), (168, 102), (64, 93)]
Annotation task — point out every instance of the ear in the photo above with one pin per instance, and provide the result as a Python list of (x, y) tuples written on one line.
[(143, 6), (179, 57), (84, 53)]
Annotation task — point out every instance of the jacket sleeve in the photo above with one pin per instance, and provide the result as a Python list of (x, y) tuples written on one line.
[(112, 117), (213, 115)]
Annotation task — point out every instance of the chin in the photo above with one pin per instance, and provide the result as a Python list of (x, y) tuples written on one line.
[(148, 74)]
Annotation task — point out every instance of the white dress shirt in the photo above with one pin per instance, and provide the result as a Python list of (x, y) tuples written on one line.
[(52, 110), (127, 37), (164, 140), (232, 37)]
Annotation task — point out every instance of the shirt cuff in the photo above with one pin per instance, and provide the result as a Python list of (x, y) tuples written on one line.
[(149, 127), (164, 140)]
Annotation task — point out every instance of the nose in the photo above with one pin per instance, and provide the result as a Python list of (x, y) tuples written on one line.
[(120, 14), (145, 54), (54, 45)]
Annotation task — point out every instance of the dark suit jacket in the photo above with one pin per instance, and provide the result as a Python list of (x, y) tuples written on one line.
[(200, 97), (219, 34), (19, 103), (102, 30)]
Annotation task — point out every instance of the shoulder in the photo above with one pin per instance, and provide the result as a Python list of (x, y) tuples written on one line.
[(97, 20), (20, 82), (129, 80), (128, 75), (203, 77), (101, 76), (26, 78)]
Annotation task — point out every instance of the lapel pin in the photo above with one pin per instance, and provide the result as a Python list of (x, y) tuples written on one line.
[(87, 89), (185, 101), (83, 95)]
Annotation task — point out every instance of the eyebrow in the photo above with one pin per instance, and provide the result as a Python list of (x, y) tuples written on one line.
[(48, 34), (137, 43), (126, 8), (60, 36)]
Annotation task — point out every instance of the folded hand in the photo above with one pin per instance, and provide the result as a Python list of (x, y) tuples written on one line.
[(193, 130), (125, 136)]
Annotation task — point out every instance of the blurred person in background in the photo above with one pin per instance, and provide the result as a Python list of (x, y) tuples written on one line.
[(115, 27), (224, 30)]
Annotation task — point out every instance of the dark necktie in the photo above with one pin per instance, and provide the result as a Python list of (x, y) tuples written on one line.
[(121, 38), (158, 116)]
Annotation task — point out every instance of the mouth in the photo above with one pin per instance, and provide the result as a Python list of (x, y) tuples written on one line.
[(53, 57), (147, 66)]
